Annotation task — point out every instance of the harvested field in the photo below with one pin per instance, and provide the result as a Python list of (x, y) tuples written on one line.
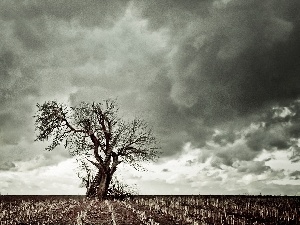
[(166, 210)]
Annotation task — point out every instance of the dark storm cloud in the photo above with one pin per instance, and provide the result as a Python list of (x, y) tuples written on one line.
[(295, 175), (7, 165), (200, 71), (15, 113), (7, 59), (268, 139), (232, 153), (88, 13), (14, 90), (41, 43), (245, 59), (24, 156), (230, 60), (235, 58), (255, 167), (224, 138), (279, 130), (191, 66), (28, 35), (276, 131), (11, 153), (172, 13)]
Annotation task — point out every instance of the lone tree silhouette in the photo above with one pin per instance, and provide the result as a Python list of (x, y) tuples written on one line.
[(96, 132)]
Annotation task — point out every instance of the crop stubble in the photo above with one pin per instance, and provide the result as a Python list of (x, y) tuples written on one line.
[(154, 210)]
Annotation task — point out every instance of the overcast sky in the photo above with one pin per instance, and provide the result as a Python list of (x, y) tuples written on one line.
[(219, 80)]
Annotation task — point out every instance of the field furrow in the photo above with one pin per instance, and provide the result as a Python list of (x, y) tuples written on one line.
[(151, 210)]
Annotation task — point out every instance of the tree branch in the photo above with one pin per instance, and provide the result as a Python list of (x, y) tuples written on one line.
[(96, 146), (116, 162), (72, 128)]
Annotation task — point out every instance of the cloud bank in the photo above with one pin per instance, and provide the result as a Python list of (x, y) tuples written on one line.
[(221, 75)]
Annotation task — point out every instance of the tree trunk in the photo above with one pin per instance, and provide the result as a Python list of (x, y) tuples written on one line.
[(100, 185), (92, 189), (103, 186)]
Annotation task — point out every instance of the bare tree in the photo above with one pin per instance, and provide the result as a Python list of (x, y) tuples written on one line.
[(96, 132)]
